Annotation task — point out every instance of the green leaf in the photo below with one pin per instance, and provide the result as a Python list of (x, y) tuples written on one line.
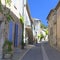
[(22, 19), (46, 32), (41, 36), (0, 6), (43, 26), (8, 2), (8, 17)]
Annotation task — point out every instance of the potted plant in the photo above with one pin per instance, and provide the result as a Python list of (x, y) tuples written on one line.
[(7, 49)]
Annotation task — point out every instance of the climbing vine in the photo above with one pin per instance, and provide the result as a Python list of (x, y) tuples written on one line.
[(8, 16), (0, 6), (8, 2), (22, 19)]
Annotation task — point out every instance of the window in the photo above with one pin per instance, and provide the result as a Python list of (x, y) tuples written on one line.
[(15, 7)]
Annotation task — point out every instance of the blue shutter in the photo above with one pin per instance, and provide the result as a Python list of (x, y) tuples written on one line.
[(16, 36), (10, 31)]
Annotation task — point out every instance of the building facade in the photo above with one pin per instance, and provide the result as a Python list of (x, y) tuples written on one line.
[(37, 29), (53, 26), (12, 29), (28, 24)]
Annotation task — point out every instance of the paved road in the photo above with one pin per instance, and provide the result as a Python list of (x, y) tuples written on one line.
[(52, 53), (34, 53), (42, 51)]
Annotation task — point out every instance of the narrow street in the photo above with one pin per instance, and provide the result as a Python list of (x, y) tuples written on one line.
[(34, 53), (42, 51)]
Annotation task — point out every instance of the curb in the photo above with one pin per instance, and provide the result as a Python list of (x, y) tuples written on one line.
[(25, 53)]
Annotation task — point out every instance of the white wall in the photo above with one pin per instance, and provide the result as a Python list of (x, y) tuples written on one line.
[(37, 26), (37, 29), (18, 4), (26, 17)]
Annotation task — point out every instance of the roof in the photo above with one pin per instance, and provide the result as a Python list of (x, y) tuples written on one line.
[(58, 5), (52, 10), (36, 19)]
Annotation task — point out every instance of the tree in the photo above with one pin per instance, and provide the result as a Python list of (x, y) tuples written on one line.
[(43, 26), (46, 32), (41, 36)]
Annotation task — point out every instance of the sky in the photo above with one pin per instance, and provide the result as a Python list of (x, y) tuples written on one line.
[(41, 8)]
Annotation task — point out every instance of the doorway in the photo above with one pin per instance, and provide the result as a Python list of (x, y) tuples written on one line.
[(16, 36)]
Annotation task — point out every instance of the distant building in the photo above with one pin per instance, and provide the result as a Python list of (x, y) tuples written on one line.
[(28, 24), (54, 26), (37, 28)]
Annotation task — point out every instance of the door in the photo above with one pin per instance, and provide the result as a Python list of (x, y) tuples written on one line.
[(16, 36)]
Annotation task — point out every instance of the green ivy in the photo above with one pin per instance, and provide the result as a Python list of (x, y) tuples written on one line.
[(22, 19), (46, 32), (22, 22), (0, 6), (40, 36), (43, 26), (8, 16), (8, 2)]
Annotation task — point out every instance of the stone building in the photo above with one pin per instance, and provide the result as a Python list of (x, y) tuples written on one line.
[(54, 26), (10, 30)]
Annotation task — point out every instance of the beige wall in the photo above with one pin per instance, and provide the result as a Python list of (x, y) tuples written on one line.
[(54, 23), (50, 22), (58, 27)]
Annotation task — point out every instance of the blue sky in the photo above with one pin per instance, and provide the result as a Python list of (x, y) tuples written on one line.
[(41, 8)]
